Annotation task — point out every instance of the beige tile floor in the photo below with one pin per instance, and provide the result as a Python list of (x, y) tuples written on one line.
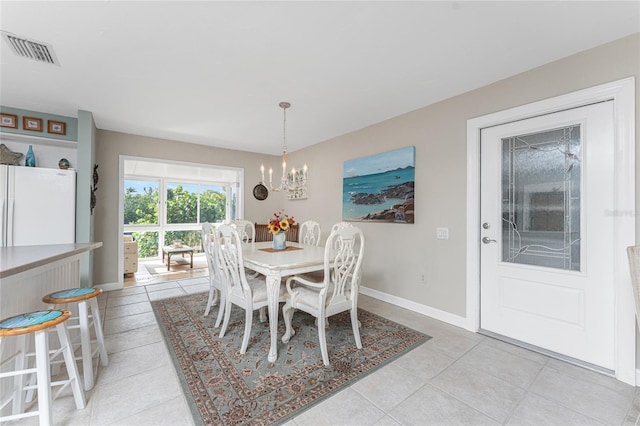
[(456, 378)]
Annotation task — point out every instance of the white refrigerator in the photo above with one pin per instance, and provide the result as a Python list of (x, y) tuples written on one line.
[(38, 206)]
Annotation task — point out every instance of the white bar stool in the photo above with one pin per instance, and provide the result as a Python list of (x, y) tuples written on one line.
[(39, 324), (88, 315)]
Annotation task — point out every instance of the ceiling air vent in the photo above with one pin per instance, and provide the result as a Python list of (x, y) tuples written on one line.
[(31, 49)]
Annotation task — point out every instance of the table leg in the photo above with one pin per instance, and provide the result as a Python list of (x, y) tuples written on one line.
[(168, 261), (191, 252), (273, 289)]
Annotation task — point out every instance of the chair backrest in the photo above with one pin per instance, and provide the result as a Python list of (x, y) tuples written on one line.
[(229, 246), (246, 230), (211, 253), (340, 225), (343, 255), (310, 233), (206, 234), (633, 254)]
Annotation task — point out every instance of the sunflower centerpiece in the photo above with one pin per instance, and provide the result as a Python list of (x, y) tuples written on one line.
[(278, 226)]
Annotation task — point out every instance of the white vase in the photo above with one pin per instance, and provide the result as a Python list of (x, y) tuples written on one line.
[(280, 241)]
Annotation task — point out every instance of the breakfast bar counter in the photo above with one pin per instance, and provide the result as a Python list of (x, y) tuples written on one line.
[(14, 260), (29, 272)]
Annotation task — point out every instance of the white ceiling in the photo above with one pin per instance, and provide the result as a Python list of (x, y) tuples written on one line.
[(213, 72)]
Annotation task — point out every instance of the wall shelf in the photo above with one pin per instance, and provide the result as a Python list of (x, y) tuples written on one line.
[(38, 140)]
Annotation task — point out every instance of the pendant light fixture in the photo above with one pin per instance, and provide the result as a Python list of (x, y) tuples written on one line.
[(295, 181)]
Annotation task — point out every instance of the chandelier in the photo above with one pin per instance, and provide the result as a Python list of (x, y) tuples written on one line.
[(295, 181)]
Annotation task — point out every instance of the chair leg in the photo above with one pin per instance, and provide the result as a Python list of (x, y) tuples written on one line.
[(263, 314), (213, 293), (322, 337), (43, 374), (72, 370), (248, 319), (19, 380), (222, 303), (85, 345), (287, 314), (355, 324), (97, 325), (227, 314)]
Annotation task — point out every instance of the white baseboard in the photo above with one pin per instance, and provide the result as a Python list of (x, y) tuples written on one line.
[(637, 377), (109, 286), (447, 317)]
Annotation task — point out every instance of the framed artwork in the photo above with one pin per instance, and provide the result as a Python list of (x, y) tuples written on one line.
[(32, 124), (57, 127), (8, 120), (380, 188)]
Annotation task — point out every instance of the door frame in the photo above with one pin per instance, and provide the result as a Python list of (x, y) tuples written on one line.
[(622, 92)]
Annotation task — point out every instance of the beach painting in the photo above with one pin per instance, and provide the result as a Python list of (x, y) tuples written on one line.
[(379, 188)]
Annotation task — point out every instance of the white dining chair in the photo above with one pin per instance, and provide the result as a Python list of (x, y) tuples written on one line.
[(310, 233), (246, 229), (217, 287), (248, 293), (337, 292)]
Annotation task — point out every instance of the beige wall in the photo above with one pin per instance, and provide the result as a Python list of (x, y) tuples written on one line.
[(396, 255)]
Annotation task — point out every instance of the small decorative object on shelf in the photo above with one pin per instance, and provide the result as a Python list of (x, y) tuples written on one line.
[(30, 159), (278, 226), (63, 163), (9, 157)]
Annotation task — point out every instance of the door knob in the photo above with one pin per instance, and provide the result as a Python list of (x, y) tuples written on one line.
[(487, 240)]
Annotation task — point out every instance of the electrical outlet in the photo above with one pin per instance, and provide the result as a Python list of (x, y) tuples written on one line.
[(442, 233), (422, 279)]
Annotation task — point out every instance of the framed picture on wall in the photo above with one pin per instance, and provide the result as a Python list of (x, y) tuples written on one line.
[(8, 120), (379, 188), (57, 127), (32, 124)]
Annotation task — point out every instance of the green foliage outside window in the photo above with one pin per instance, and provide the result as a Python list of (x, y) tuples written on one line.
[(147, 243), (141, 208), (182, 207)]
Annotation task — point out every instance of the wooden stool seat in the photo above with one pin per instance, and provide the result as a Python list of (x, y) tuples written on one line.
[(72, 295), (88, 315), (32, 322), (38, 324)]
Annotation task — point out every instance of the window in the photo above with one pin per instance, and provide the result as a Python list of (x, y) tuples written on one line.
[(168, 202)]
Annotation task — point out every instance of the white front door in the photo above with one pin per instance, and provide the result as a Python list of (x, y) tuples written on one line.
[(546, 203)]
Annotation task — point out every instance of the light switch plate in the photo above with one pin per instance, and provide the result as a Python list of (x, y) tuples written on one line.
[(442, 233)]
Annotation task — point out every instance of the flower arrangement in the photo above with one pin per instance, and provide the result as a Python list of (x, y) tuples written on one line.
[(280, 222)]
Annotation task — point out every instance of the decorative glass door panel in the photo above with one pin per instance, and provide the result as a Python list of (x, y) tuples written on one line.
[(541, 177)]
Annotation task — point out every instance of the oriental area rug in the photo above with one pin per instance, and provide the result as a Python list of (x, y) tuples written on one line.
[(226, 388)]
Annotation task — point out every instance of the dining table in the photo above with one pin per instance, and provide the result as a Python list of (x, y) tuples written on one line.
[(295, 259)]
